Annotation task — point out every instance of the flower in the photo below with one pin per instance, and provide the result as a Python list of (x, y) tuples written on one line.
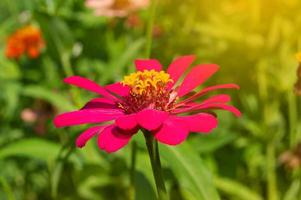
[(28, 115), (38, 115), (115, 8), (291, 158), (150, 99), (27, 40)]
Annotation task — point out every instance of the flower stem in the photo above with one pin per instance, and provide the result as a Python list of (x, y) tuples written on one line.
[(153, 151)]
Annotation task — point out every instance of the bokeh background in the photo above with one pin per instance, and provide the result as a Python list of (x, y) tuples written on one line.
[(256, 157)]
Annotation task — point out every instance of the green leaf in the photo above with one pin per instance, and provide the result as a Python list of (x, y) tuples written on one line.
[(194, 179), (32, 147), (235, 189), (210, 143), (143, 188), (54, 98)]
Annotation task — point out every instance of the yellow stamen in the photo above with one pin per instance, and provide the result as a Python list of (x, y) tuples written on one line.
[(142, 82)]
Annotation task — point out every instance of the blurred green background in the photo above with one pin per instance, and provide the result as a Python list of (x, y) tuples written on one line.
[(256, 157)]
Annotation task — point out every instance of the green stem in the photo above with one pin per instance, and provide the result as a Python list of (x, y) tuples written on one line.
[(153, 151), (149, 31), (65, 61), (292, 113), (271, 173)]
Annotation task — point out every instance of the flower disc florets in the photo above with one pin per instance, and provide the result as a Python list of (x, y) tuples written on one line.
[(147, 90)]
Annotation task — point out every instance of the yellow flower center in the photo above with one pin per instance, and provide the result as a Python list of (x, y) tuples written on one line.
[(147, 81)]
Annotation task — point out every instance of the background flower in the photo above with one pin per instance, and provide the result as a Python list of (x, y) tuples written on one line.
[(25, 41), (115, 8)]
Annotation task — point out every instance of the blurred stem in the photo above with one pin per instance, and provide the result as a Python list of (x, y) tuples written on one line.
[(58, 169), (149, 31), (292, 113), (153, 151), (271, 173), (270, 149), (65, 60), (7, 189), (132, 170), (66, 65)]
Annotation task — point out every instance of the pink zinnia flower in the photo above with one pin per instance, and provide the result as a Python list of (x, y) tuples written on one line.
[(115, 8), (152, 100)]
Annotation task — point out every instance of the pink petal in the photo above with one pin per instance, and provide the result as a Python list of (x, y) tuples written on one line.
[(127, 122), (100, 103), (229, 108), (173, 131), (86, 116), (201, 122), (151, 119), (112, 138), (83, 138), (177, 68), (148, 64), (118, 88), (196, 77), (211, 88), (88, 85), (220, 98)]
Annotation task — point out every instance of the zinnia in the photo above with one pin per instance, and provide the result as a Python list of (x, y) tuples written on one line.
[(115, 8), (27, 40), (149, 99)]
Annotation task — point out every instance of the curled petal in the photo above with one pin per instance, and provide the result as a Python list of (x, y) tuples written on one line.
[(83, 138), (148, 64), (196, 77), (86, 116), (151, 119), (177, 68), (118, 88), (112, 138), (103, 103), (127, 122), (173, 131), (197, 107), (229, 108), (201, 122), (88, 85), (220, 98), (212, 88)]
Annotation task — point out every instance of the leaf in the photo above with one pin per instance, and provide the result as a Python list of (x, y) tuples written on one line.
[(235, 189), (190, 171), (55, 99), (143, 187), (209, 143), (32, 147)]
